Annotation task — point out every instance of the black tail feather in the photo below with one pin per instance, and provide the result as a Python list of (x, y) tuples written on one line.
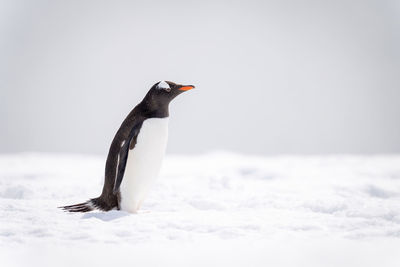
[(81, 207), (94, 203)]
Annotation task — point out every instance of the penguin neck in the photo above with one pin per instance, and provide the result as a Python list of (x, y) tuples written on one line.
[(154, 109)]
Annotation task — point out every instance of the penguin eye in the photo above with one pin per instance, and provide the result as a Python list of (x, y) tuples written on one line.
[(163, 85)]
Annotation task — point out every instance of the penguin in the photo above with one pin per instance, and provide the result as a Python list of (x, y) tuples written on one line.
[(136, 152)]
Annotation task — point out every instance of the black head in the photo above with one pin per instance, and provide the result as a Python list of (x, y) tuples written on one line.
[(161, 94)]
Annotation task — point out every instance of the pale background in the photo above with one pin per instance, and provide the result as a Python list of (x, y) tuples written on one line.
[(272, 77)]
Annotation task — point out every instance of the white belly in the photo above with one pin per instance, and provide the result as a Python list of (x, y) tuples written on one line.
[(144, 163)]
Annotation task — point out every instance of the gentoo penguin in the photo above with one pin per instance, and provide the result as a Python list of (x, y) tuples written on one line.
[(136, 152)]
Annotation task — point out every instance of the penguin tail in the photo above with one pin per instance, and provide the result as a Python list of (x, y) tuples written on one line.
[(81, 207)]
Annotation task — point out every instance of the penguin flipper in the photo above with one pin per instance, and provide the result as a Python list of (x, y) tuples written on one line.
[(123, 156)]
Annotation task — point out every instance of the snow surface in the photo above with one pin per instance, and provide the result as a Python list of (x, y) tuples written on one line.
[(215, 209)]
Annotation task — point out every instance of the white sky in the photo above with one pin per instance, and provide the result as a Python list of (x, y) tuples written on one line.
[(271, 77)]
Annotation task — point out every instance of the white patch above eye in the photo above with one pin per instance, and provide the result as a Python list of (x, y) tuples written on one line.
[(163, 85)]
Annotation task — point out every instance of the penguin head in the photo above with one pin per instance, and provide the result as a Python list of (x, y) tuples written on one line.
[(164, 91)]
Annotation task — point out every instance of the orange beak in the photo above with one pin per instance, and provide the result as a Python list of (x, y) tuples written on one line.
[(186, 87)]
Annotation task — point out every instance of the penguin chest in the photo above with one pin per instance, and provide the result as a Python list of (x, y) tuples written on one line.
[(143, 163)]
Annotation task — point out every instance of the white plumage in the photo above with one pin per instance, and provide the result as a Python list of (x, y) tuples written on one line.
[(163, 85), (144, 163)]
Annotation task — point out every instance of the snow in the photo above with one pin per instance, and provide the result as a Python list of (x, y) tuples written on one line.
[(211, 209)]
